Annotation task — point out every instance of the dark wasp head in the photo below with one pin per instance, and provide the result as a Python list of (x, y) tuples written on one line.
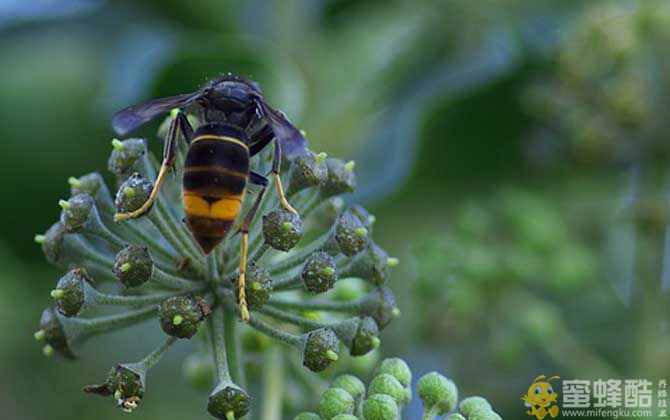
[(230, 93)]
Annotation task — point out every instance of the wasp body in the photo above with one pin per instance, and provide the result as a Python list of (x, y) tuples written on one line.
[(236, 125)]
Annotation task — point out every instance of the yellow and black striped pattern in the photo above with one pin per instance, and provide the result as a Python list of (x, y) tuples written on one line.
[(215, 177)]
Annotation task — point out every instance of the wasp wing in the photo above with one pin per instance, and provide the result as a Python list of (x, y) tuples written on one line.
[(134, 116), (293, 143)]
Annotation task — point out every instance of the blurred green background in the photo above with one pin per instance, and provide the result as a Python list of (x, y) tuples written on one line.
[(515, 153)]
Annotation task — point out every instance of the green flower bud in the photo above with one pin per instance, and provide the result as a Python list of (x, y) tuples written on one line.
[(69, 292), (307, 416), (180, 316), (380, 407), (87, 184), (321, 348), (367, 219), (345, 417), (306, 171), (52, 242), (350, 234), (437, 391), (372, 264), (76, 212), (350, 383), (341, 178), (133, 265), (319, 272), (282, 229), (349, 289), (258, 286), (389, 385), (228, 401), (132, 193), (397, 368), (470, 405), (198, 369), (382, 306), (124, 384), (124, 155), (52, 332), (336, 401), (366, 338)]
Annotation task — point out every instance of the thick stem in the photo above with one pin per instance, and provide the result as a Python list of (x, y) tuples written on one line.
[(216, 332), (270, 331), (233, 349), (273, 385)]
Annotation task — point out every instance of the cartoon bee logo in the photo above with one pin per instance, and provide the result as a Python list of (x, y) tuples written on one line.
[(540, 397)]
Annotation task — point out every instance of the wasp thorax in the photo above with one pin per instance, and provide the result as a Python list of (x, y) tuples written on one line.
[(132, 193), (124, 155), (319, 272), (282, 229), (69, 292), (181, 316), (341, 178), (228, 401), (321, 348), (133, 265), (75, 212)]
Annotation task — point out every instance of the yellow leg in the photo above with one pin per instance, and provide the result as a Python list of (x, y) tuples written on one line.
[(282, 197), (147, 204), (242, 294)]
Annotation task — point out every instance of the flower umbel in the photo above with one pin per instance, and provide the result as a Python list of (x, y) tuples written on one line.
[(152, 268)]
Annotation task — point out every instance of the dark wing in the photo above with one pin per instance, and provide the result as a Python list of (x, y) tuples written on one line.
[(134, 116), (293, 143)]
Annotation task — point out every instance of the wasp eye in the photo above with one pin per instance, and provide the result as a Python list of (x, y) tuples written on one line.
[(550, 390), (537, 390)]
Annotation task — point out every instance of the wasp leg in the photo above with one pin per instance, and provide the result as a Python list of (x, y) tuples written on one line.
[(276, 163), (179, 124), (244, 230)]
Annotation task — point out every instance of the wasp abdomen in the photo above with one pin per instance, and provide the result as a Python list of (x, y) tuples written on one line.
[(215, 178)]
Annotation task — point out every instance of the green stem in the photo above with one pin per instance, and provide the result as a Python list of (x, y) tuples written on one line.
[(154, 357), (181, 235), (95, 297), (155, 246), (432, 413), (273, 385), (216, 332), (297, 258), (270, 331), (160, 277), (80, 329), (293, 319), (232, 339), (352, 306)]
